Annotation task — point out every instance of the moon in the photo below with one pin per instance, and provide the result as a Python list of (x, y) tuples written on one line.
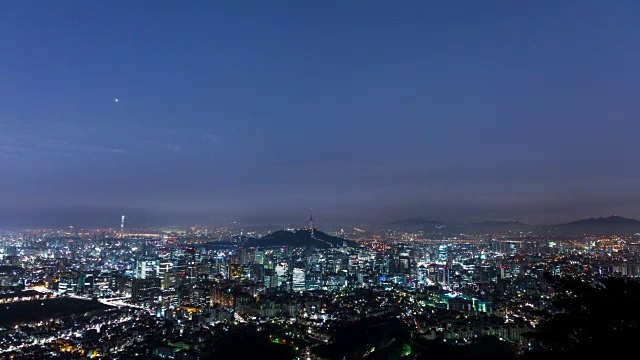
[(116, 100)]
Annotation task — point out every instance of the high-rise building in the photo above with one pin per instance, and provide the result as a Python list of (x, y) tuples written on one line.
[(259, 257), (144, 289), (146, 268), (299, 279), (163, 270)]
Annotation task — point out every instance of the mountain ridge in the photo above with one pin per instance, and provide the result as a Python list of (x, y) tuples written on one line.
[(609, 220), (436, 227), (300, 238), (610, 225)]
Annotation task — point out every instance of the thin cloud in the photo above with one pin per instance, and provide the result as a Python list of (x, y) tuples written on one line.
[(18, 145), (213, 138), (7, 155), (12, 149), (63, 145), (173, 147)]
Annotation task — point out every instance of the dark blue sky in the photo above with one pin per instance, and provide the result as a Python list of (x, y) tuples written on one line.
[(364, 110)]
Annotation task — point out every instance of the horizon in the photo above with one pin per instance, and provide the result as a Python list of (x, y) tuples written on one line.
[(139, 223)]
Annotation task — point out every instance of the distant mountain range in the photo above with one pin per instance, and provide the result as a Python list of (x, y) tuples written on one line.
[(299, 238), (433, 227), (592, 226), (416, 221), (612, 225), (595, 226)]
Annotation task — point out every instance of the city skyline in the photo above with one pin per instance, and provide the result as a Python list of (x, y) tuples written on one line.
[(206, 113)]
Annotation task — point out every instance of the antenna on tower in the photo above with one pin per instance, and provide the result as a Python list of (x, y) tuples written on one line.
[(311, 220)]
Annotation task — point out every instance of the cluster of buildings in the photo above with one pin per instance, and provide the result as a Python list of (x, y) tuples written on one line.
[(195, 283)]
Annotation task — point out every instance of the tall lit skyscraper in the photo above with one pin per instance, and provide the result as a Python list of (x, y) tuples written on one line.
[(299, 279)]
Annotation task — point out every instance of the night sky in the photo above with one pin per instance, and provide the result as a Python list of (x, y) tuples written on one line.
[(206, 112)]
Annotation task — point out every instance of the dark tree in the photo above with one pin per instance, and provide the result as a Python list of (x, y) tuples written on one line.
[(593, 318), (245, 342), (371, 338)]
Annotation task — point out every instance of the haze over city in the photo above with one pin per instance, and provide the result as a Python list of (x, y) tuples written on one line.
[(209, 112)]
